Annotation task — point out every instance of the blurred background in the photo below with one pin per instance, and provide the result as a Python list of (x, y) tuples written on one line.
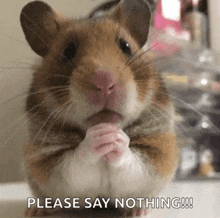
[(185, 46), (186, 50)]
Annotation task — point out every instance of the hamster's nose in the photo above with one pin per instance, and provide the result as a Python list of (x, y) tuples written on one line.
[(104, 82)]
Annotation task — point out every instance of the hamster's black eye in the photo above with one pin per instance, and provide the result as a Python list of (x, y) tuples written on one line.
[(124, 46), (69, 53)]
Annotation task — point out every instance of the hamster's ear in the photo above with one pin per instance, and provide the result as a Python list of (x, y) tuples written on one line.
[(103, 9), (134, 15), (40, 23)]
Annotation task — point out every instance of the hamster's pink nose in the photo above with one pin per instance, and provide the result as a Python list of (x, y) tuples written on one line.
[(104, 82)]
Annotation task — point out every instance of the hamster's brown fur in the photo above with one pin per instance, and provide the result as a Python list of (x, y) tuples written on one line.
[(60, 110)]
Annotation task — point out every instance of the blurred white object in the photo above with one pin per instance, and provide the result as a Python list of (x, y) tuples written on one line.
[(188, 161), (171, 13)]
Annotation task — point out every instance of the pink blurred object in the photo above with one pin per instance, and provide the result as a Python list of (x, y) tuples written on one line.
[(162, 21), (168, 21), (168, 49)]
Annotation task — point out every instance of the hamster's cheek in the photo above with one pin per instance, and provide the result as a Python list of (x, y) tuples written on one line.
[(130, 107), (81, 108)]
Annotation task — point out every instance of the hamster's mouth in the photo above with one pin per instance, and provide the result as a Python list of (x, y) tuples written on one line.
[(104, 116)]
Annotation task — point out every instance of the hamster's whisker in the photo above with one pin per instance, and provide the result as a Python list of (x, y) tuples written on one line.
[(44, 100), (59, 75), (20, 126), (146, 69), (162, 112), (14, 68), (65, 118), (27, 112), (165, 37), (49, 150), (144, 52), (134, 58), (153, 62), (26, 93), (15, 39), (189, 106), (56, 117), (32, 29), (21, 63), (150, 63), (35, 34), (156, 118), (141, 54), (131, 60), (45, 122), (15, 131), (23, 94), (133, 55), (153, 33)]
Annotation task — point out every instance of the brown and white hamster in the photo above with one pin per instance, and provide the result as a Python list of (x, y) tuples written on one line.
[(100, 119)]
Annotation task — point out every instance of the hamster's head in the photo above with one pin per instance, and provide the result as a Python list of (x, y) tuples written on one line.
[(93, 69)]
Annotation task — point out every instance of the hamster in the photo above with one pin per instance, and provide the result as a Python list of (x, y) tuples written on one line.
[(101, 123)]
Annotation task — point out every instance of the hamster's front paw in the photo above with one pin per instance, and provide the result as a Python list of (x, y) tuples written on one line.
[(104, 140), (99, 141), (120, 148)]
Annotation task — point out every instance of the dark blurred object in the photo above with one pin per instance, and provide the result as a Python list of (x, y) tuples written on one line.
[(200, 124), (193, 80)]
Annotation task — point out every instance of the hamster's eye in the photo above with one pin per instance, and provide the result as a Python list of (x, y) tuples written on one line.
[(69, 53), (124, 46)]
